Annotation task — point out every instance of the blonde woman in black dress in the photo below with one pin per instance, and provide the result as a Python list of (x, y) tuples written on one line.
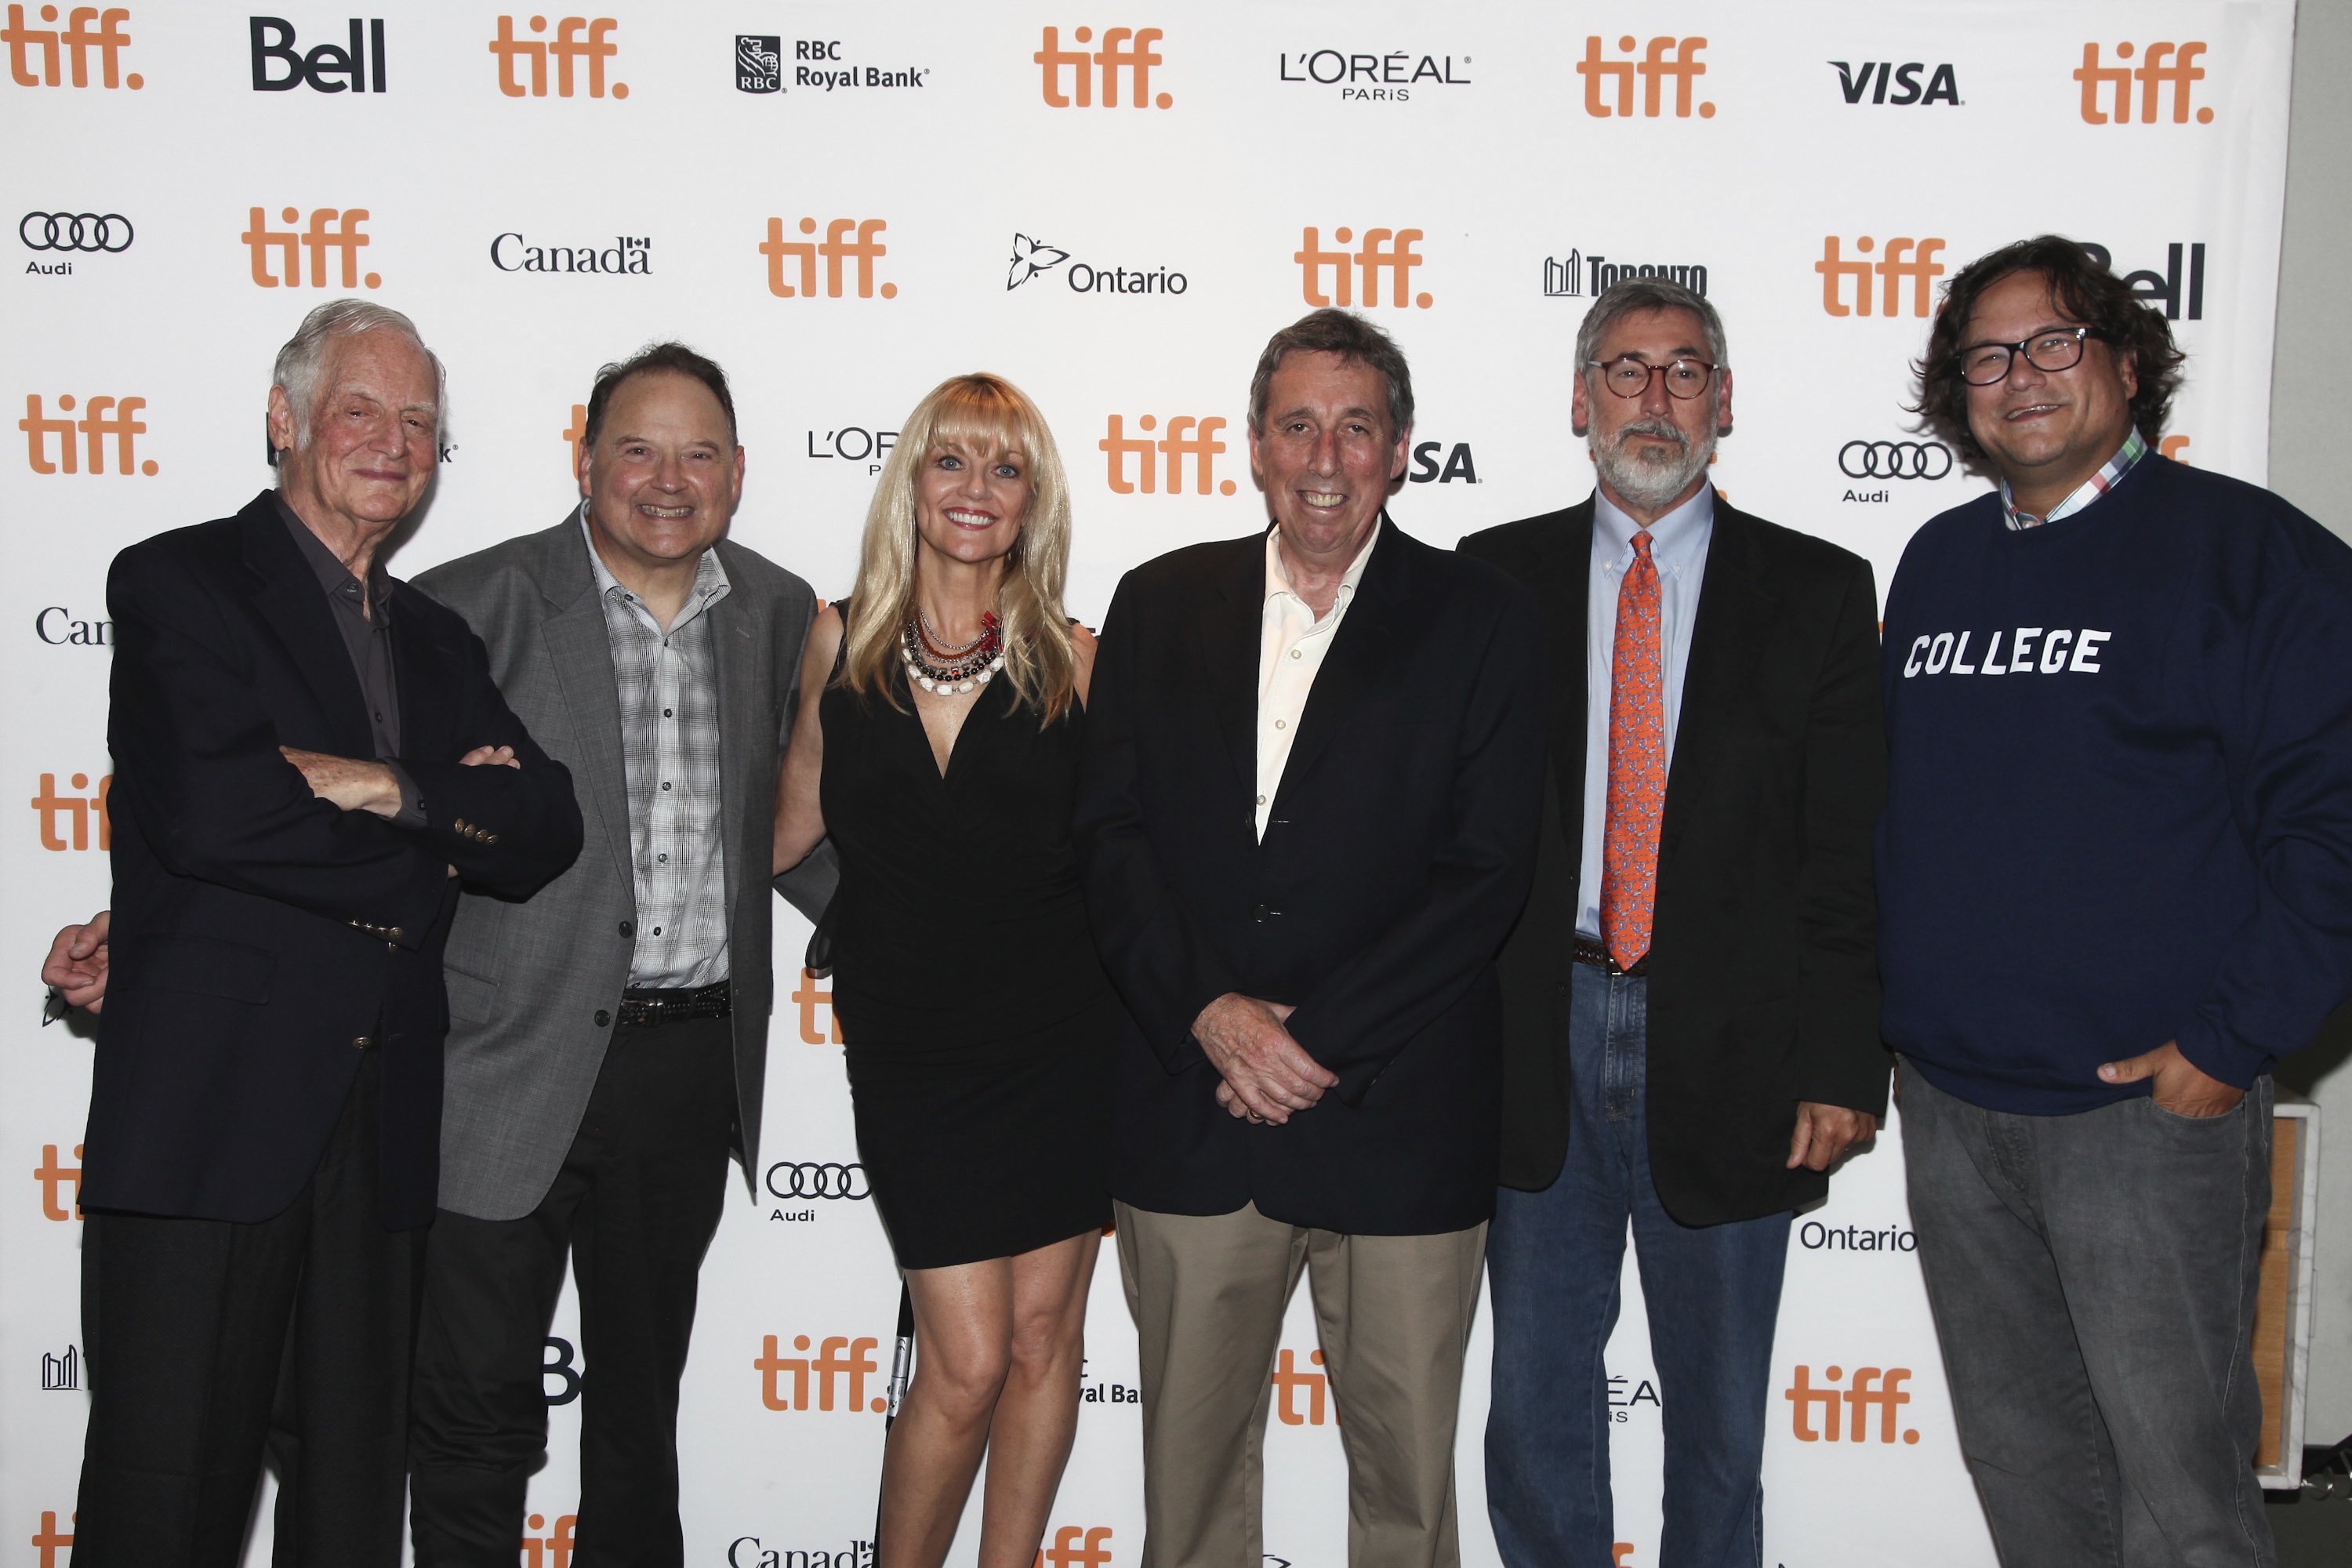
[(937, 743)]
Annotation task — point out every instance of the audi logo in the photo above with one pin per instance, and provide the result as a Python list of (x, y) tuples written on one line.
[(75, 231), (808, 1179), (1894, 459)]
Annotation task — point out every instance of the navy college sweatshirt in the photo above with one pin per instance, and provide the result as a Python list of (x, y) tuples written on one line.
[(2120, 802)]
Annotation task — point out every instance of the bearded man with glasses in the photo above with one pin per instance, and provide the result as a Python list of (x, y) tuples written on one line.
[(1691, 997), (2115, 877)]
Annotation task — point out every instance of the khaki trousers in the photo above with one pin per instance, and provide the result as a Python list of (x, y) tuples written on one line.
[(1393, 1314)]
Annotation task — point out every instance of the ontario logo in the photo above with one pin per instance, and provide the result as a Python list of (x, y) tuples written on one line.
[(1033, 258)]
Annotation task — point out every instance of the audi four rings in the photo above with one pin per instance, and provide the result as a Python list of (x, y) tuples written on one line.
[(1894, 459), (808, 1179), (75, 231)]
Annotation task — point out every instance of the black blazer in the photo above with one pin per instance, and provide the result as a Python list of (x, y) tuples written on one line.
[(1763, 954), (260, 934), (1396, 855)]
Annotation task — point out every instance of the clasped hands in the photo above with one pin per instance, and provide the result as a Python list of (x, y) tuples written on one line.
[(1265, 1074)]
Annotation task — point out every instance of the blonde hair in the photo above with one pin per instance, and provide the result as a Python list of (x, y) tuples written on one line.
[(987, 414)]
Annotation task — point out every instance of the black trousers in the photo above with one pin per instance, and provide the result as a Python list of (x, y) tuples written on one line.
[(636, 1206), (207, 1339)]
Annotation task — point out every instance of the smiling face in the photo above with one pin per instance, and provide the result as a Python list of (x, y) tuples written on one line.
[(972, 498), (664, 476), (1326, 458), (2047, 430), (369, 451)]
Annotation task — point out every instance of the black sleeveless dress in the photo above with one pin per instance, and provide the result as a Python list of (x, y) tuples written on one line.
[(978, 1022)]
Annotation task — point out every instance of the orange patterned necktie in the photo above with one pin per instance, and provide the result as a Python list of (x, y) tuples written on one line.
[(1637, 763)]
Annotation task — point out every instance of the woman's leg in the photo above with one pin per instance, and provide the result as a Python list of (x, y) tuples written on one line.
[(963, 1334), (1037, 1412)]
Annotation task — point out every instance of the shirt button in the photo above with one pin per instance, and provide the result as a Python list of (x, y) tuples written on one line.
[(364, 1044), (1261, 800), (602, 1017), (628, 928), (665, 712), (662, 860), (1279, 724), (665, 784), (657, 930), (1260, 913), (1296, 654)]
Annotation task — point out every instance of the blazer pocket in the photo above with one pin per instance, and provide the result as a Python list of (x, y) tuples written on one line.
[(471, 1000), (208, 966)]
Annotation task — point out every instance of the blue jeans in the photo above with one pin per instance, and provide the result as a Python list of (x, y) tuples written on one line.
[(1553, 1262)]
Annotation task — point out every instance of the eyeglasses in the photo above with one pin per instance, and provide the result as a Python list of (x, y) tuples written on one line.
[(1628, 375), (2060, 348)]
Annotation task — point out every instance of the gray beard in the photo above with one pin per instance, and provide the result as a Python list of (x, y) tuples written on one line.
[(1650, 482)]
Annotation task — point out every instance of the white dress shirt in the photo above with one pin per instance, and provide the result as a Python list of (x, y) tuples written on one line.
[(1679, 542), (1291, 644)]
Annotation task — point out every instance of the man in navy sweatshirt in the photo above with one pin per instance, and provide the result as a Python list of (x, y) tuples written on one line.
[(2115, 885)]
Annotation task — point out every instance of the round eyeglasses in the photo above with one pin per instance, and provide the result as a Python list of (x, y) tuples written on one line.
[(2054, 350), (1629, 376)]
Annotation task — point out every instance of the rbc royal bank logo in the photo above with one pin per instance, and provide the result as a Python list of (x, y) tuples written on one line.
[(759, 62), (568, 50), (1667, 58), (1126, 52), (2161, 66), (76, 43), (1903, 259)]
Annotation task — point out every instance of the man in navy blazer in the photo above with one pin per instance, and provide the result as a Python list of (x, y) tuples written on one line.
[(1314, 762), (311, 759)]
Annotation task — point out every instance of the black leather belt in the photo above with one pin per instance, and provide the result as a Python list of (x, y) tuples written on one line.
[(1591, 951), (646, 1005)]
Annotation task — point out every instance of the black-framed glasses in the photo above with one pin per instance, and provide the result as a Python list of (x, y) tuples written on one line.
[(1629, 376), (2051, 350)]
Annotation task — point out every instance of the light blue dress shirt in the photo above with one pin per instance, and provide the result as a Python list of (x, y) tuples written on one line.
[(1679, 542)]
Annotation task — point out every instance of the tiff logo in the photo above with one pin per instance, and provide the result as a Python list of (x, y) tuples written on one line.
[(49, 1540), (567, 46), (53, 1177), (1288, 1380), (1398, 260), (555, 1550), (1911, 258), (1887, 1396), (77, 40), (94, 428), (1076, 1546), (273, 39), (1201, 446), (344, 238), (828, 1364), (2154, 72), (48, 803), (836, 248), (1668, 57), (1137, 62), (61, 1373), (810, 998)]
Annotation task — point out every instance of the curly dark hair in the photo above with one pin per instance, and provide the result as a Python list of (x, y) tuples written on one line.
[(2088, 291)]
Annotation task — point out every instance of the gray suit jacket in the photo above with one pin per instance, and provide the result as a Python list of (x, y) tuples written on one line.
[(531, 982)]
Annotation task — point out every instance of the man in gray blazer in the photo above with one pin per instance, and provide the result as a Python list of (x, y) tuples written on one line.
[(608, 1036)]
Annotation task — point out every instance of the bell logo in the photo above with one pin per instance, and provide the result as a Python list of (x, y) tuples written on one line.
[(48, 804), (1187, 437), (2161, 63), (828, 1364), (835, 248), (555, 1550), (75, 42), (1911, 258), (810, 998), (49, 1540), (1288, 1380), (1076, 1546), (1384, 250), (329, 229), (326, 68), (1669, 56), (1887, 1395), (567, 46), (53, 1177), (94, 428), (1137, 61)]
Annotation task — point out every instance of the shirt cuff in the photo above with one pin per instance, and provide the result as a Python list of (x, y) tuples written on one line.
[(412, 804)]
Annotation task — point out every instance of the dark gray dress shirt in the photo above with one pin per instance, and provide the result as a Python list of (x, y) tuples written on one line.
[(368, 639)]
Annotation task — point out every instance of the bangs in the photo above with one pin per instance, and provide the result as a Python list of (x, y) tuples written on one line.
[(981, 414)]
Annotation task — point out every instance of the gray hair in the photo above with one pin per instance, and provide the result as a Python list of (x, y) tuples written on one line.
[(1348, 335), (305, 355), (1630, 296)]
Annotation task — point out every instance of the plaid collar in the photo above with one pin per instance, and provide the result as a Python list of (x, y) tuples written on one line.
[(2106, 478)]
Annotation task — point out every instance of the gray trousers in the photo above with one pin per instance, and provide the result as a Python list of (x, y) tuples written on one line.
[(2093, 1278)]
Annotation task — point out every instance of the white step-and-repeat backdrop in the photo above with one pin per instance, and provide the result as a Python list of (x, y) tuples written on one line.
[(1113, 204)]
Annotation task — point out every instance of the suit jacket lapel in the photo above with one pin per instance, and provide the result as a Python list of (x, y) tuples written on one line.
[(1358, 646), (1733, 608), (734, 642), (1228, 637), (297, 613), (581, 654)]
